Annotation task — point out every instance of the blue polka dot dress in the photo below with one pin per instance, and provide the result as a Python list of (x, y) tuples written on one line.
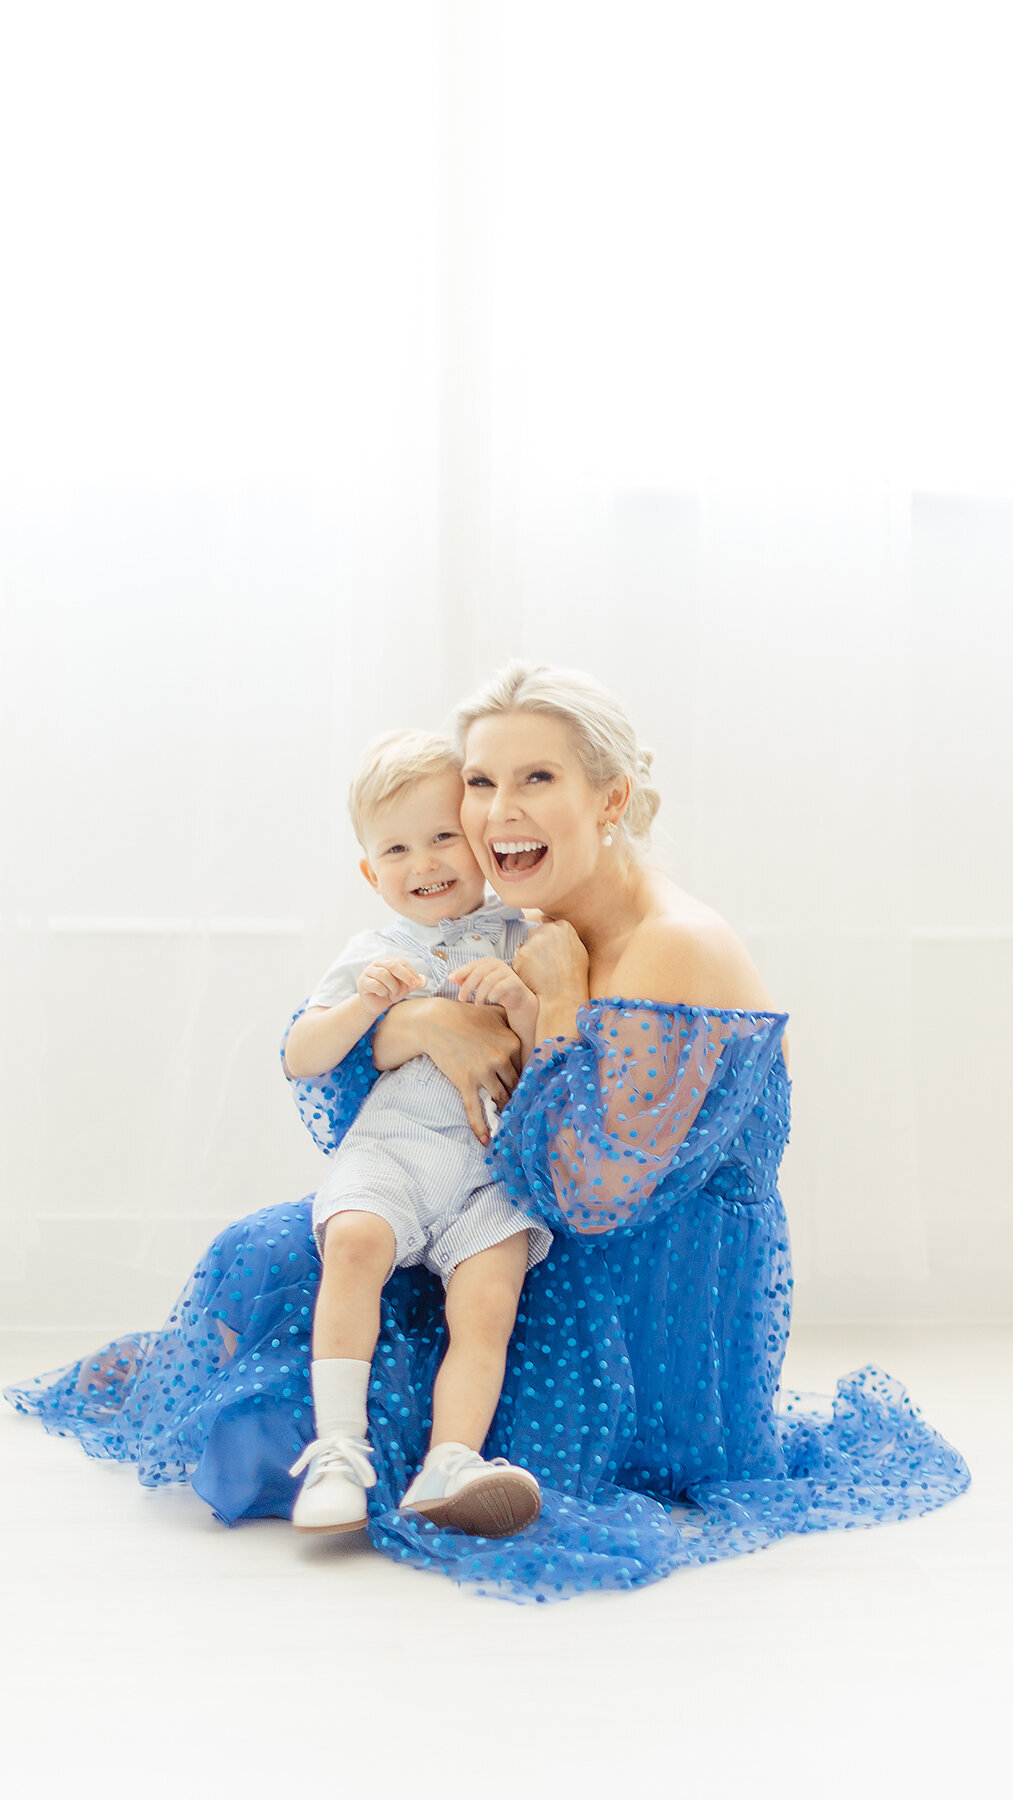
[(642, 1384)]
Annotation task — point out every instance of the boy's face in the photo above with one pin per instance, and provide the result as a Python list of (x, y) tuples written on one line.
[(418, 858)]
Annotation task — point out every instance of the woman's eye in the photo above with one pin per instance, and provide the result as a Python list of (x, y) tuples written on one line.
[(539, 775), (478, 781)]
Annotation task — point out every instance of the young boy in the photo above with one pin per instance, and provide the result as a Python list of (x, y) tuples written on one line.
[(409, 1183)]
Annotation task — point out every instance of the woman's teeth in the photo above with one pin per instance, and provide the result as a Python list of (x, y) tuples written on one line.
[(518, 853)]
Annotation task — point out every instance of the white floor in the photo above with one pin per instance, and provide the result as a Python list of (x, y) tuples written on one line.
[(150, 1651)]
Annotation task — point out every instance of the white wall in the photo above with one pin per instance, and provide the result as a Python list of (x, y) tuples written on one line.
[(352, 351)]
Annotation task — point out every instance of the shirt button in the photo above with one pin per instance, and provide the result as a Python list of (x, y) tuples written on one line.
[(474, 937)]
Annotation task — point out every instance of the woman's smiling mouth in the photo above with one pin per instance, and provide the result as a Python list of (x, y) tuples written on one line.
[(517, 856)]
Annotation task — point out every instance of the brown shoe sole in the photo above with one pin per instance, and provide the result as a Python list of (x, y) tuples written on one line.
[(312, 1530), (492, 1506)]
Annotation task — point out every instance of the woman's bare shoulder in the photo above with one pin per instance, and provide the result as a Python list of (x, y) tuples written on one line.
[(686, 954)]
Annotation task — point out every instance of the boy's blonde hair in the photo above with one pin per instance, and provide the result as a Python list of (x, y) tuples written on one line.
[(392, 763), (602, 734)]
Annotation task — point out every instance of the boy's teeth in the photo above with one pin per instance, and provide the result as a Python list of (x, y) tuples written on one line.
[(520, 844), (440, 888)]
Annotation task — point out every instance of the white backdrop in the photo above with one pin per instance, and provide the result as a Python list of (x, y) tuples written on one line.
[(349, 351)]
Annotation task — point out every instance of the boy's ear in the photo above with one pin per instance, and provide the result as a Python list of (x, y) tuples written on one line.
[(370, 873)]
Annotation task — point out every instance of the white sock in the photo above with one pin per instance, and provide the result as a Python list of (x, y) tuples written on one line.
[(339, 1396)]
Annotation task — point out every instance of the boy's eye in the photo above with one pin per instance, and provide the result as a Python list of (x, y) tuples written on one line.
[(446, 834), (395, 849)]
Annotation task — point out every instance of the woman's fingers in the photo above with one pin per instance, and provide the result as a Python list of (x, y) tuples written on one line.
[(476, 1048), (553, 961), (476, 1113), (498, 1091)]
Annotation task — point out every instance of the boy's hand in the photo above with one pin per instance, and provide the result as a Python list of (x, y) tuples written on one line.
[(386, 980), (490, 982)]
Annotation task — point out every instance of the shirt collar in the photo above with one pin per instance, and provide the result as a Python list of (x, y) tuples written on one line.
[(492, 910)]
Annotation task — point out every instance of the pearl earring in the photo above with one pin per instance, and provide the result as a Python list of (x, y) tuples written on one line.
[(607, 839)]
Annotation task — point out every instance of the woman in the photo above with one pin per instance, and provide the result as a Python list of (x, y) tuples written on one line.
[(647, 1130)]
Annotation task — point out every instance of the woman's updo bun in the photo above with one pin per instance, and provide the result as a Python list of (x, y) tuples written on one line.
[(603, 737), (645, 798)]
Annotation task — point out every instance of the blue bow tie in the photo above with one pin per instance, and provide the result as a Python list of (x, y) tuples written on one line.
[(487, 926)]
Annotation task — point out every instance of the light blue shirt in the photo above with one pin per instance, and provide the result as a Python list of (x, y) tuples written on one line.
[(433, 950)]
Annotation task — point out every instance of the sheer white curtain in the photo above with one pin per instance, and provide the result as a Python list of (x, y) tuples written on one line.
[(743, 387), (220, 454), (354, 350)]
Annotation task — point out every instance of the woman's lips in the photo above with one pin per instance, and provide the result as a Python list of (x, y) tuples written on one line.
[(525, 856)]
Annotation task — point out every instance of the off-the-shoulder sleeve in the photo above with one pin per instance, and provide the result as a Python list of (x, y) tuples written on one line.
[(327, 1104), (649, 1096)]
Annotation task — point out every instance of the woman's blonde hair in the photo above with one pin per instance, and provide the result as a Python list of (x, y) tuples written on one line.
[(392, 763), (603, 737)]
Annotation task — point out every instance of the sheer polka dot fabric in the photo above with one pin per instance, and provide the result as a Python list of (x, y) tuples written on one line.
[(642, 1385)]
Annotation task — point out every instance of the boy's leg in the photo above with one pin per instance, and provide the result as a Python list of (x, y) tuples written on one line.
[(482, 1296), (454, 1485), (359, 1249)]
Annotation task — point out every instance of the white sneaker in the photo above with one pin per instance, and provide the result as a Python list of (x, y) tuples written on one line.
[(485, 1499), (332, 1498)]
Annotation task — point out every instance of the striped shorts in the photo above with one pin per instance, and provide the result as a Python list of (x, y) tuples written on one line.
[(411, 1158)]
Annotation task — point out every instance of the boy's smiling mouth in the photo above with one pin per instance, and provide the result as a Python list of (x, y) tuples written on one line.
[(437, 887)]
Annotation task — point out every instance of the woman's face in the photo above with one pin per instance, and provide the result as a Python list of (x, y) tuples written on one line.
[(530, 814)]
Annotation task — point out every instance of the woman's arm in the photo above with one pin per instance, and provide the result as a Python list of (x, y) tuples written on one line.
[(328, 1103), (472, 1045), (635, 1113), (647, 1088)]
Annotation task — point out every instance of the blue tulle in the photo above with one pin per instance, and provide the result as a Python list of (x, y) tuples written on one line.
[(642, 1379)]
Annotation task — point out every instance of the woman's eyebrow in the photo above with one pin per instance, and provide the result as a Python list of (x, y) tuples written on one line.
[(540, 762)]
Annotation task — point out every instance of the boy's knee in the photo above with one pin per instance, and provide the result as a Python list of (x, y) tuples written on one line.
[(361, 1239), (490, 1314)]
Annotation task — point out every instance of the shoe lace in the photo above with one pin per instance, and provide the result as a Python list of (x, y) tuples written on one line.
[(456, 1460), (344, 1454)]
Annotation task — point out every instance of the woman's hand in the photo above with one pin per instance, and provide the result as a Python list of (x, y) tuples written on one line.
[(472, 1045), (553, 963)]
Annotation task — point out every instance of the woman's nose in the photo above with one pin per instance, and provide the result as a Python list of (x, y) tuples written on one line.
[(502, 808)]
